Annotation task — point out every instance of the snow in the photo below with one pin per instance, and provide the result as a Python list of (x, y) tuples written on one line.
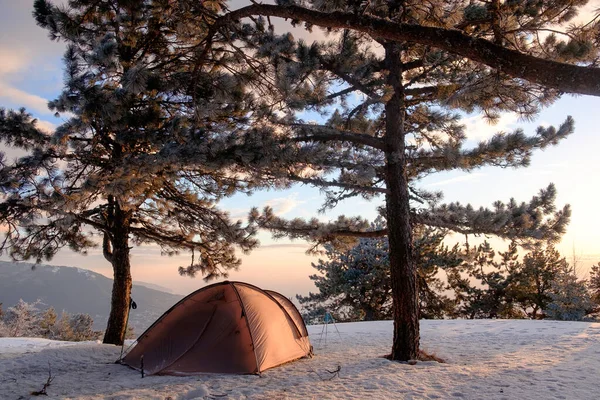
[(19, 345), (87, 273), (491, 359)]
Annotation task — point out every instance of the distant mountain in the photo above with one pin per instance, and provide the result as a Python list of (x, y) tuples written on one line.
[(155, 287), (77, 290)]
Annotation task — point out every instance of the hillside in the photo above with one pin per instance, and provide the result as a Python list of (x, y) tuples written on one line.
[(77, 290)]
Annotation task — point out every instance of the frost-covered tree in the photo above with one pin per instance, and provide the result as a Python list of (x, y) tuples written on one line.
[(434, 260), (48, 322), (483, 284), (535, 41), (392, 86), (3, 327), (355, 283), (74, 328), (23, 319), (594, 283), (138, 85), (532, 282), (569, 297), (28, 319)]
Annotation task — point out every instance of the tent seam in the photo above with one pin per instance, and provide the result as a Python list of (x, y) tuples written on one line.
[(285, 313), (278, 304), (245, 315), (289, 316), (194, 343), (160, 319)]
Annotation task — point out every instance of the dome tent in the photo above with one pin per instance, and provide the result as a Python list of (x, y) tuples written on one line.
[(227, 327)]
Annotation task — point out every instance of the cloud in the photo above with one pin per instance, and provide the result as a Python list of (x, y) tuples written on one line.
[(280, 206), (457, 179), (46, 126), (477, 128), (13, 61), (238, 213), (28, 59), (283, 205), (30, 101)]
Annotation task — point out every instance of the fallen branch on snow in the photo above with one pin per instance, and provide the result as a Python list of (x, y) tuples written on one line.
[(46, 385)]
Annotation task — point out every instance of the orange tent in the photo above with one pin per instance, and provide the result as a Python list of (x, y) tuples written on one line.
[(228, 327)]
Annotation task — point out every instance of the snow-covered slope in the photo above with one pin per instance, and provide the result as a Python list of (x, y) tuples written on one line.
[(486, 359), (77, 290)]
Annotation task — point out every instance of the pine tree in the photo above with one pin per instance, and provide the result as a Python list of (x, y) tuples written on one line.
[(483, 284), (145, 152), (510, 37), (354, 283), (48, 322), (532, 283), (570, 300), (434, 259), (405, 125), (23, 319), (77, 328), (594, 284)]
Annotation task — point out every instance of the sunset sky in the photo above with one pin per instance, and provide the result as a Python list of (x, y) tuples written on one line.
[(31, 74)]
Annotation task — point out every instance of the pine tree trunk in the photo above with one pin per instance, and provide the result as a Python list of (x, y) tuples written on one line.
[(121, 292), (402, 264)]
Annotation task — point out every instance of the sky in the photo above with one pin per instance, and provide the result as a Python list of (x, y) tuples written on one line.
[(31, 74)]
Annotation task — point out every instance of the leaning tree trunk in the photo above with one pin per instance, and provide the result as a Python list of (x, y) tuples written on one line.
[(116, 250), (402, 264)]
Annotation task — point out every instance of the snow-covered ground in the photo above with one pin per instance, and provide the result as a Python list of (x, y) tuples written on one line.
[(486, 359)]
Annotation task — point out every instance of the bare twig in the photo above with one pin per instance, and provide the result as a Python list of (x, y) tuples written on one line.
[(46, 385), (334, 373)]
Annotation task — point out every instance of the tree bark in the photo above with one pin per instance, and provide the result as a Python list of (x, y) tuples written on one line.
[(564, 77), (402, 264), (121, 292)]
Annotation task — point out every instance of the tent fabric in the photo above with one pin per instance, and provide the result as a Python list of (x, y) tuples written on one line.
[(227, 327)]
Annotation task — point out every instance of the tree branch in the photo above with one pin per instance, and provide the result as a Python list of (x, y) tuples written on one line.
[(322, 182), (326, 133), (564, 77), (106, 248)]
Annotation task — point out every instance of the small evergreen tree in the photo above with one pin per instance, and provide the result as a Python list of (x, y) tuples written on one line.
[(354, 284), (569, 297), (26, 319), (48, 321), (531, 286), (82, 327), (594, 283), (72, 328), (433, 259), (3, 327), (482, 284), (23, 319)]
